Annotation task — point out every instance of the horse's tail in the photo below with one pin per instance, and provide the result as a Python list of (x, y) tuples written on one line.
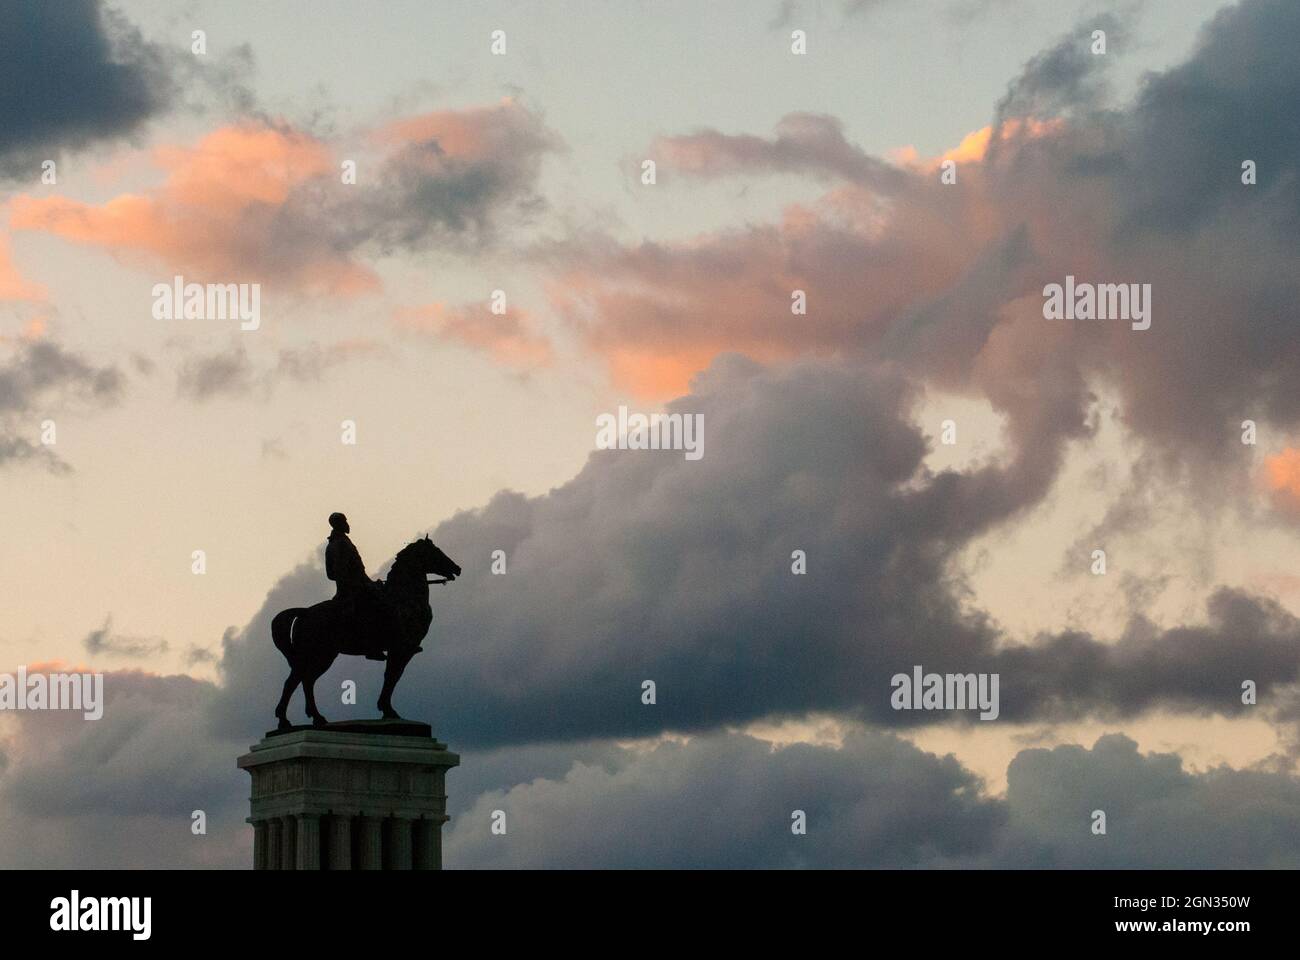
[(282, 628)]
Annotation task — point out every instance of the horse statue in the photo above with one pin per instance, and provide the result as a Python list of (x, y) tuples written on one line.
[(312, 637)]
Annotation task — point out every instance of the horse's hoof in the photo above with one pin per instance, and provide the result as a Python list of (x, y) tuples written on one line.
[(391, 714), (284, 724), (319, 721)]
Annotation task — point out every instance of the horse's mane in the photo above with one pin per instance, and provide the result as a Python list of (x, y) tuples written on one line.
[(403, 560)]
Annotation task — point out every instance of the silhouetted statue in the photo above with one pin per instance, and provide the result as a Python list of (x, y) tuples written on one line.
[(358, 596), (372, 618), (342, 559)]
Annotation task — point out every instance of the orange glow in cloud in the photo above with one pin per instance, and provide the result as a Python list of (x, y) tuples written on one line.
[(461, 134), (214, 215), (651, 374), (12, 284), (507, 338), (234, 166), (656, 376), (1282, 475), (975, 145)]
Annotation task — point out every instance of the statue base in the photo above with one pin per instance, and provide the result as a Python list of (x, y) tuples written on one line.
[(352, 795), (391, 728)]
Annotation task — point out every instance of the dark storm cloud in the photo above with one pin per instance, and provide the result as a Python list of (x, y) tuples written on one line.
[(1194, 669), (722, 800), (725, 801), (119, 791), (71, 73), (1158, 815), (647, 566), (1195, 123)]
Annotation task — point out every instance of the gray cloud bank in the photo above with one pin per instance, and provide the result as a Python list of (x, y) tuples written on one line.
[(647, 566)]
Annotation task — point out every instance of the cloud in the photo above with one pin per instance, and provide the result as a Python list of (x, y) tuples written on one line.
[(1198, 121), (261, 201), (71, 74), (807, 143), (650, 566), (453, 176), (946, 280), (726, 800), (1282, 477), (197, 654), (120, 791), (104, 642), (231, 372), (40, 376), (13, 286), (1064, 78), (1158, 815), (224, 372), (234, 207), (510, 338)]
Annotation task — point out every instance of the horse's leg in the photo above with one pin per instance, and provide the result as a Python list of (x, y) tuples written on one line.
[(397, 661), (281, 635), (318, 667), (309, 690), (282, 709)]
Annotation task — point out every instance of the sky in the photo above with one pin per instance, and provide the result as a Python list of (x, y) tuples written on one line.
[(946, 458)]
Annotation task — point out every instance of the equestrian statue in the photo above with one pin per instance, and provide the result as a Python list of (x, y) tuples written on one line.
[(376, 619)]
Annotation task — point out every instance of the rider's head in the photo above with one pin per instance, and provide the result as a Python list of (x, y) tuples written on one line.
[(339, 523)]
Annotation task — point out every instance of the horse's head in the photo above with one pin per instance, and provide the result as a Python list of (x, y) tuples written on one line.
[(431, 560)]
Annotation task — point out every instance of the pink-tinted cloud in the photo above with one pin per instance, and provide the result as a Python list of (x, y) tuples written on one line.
[(947, 279), (216, 216), (13, 286), (509, 338), (268, 203), (1282, 479)]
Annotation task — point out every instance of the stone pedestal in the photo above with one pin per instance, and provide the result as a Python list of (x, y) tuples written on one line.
[(362, 795)]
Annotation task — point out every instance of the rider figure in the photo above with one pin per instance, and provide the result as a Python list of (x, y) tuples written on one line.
[(358, 593)]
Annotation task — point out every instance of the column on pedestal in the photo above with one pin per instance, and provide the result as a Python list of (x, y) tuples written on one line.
[(273, 843), (428, 843), (340, 842), (259, 845), (308, 845), (288, 843), (400, 843), (372, 843)]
